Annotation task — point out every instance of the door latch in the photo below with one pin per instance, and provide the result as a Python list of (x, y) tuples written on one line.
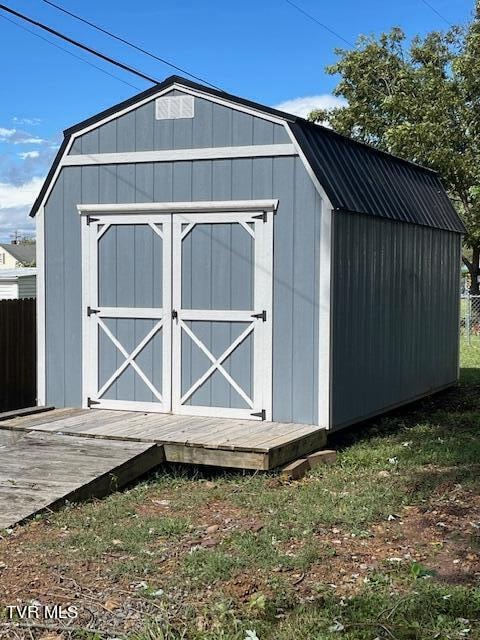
[(174, 314)]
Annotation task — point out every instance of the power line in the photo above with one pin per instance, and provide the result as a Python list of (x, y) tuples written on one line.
[(121, 65), (128, 43), (70, 53), (324, 26), (427, 4)]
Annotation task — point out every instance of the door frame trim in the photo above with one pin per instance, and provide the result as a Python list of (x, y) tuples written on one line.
[(246, 206)]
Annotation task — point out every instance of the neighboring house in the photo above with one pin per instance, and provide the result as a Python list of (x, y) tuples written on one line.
[(202, 254), (18, 283), (17, 255)]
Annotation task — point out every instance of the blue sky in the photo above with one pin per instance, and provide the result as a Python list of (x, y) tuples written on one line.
[(267, 51)]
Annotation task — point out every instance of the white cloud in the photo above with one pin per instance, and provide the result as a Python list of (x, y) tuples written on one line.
[(16, 136), (15, 220), (6, 134), (29, 154), (32, 140), (14, 196), (28, 121), (304, 105)]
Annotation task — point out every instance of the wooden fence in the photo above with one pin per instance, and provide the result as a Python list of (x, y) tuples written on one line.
[(18, 354)]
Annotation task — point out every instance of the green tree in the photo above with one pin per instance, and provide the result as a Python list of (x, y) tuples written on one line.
[(420, 100)]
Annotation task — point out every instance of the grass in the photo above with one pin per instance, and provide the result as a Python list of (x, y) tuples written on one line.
[(385, 543)]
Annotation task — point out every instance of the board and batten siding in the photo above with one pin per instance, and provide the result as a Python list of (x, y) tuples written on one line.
[(395, 321), (213, 125), (296, 260)]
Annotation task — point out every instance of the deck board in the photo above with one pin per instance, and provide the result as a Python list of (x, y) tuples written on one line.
[(191, 439)]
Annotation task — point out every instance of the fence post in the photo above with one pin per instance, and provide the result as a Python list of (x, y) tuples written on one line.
[(468, 318)]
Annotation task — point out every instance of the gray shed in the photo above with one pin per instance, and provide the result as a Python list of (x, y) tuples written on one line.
[(202, 254)]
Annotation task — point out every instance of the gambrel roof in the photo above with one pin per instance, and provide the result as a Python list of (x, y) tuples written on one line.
[(356, 177)]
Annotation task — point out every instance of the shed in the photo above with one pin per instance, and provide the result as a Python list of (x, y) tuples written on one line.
[(17, 283), (202, 254)]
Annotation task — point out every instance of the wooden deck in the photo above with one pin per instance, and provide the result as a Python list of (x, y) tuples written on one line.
[(243, 444), (38, 470)]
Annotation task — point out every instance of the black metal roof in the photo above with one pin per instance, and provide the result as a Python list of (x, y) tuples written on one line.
[(360, 179), (356, 177)]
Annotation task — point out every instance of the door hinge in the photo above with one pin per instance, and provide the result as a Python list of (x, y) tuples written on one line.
[(174, 314), (261, 316), (91, 311), (91, 402), (90, 219), (261, 216), (261, 414)]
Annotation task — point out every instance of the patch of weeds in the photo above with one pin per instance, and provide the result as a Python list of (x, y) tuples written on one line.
[(417, 570), (426, 613), (205, 566), (133, 535)]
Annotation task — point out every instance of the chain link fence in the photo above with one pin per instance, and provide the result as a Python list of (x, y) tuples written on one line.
[(470, 318)]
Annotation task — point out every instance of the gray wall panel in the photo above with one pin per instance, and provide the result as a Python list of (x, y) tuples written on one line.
[(296, 241), (395, 314), (213, 125)]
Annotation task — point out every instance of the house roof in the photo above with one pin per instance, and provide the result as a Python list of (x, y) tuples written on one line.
[(23, 253), (14, 274), (356, 177)]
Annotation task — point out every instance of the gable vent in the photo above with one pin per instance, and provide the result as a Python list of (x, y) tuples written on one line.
[(174, 107)]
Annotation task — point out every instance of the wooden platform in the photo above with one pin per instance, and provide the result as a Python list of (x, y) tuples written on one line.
[(41, 470), (243, 444)]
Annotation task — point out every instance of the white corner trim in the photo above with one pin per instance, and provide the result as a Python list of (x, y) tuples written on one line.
[(325, 294), (325, 316), (41, 355), (174, 155), (219, 206)]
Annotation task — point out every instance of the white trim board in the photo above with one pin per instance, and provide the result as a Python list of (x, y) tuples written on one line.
[(219, 206), (325, 294), (41, 355), (175, 155)]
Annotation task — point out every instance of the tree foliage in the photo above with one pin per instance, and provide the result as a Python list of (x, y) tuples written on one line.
[(419, 99)]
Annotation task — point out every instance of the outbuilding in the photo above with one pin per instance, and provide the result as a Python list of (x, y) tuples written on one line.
[(18, 283), (202, 254)]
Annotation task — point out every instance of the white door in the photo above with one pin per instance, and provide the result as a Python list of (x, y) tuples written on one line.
[(222, 314), (127, 311), (178, 313)]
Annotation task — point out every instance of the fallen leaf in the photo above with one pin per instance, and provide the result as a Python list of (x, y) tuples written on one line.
[(111, 605), (212, 528)]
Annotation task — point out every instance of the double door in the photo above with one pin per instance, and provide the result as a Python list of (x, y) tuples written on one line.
[(178, 313)]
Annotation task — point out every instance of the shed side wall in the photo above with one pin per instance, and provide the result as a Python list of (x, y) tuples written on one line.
[(395, 314), (296, 260)]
